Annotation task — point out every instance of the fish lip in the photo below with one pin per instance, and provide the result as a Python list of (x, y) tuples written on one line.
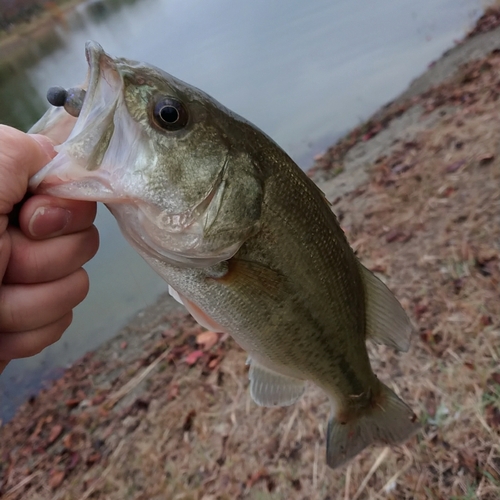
[(103, 85), (95, 55)]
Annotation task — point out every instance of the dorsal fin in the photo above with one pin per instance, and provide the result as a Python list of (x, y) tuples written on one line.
[(386, 321)]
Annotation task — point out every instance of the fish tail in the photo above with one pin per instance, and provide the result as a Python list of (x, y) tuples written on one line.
[(387, 420)]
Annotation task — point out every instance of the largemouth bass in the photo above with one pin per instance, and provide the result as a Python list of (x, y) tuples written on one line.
[(243, 237)]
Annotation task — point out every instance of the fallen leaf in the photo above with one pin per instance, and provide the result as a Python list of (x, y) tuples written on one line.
[(213, 363), (73, 402), (467, 460), (74, 461), (492, 415), (93, 458), (173, 391), (56, 478), (71, 440), (141, 404), (397, 235), (97, 400), (188, 421), (378, 268), (402, 167), (193, 357), (55, 432), (486, 320), (392, 235), (177, 352), (453, 167), (486, 159), (257, 476), (207, 340), (38, 428), (431, 405)]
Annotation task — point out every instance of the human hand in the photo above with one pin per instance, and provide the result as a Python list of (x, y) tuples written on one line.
[(41, 255)]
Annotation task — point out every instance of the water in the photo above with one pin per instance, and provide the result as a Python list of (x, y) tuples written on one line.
[(304, 72)]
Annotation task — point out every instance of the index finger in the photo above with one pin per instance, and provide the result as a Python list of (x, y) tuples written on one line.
[(21, 156)]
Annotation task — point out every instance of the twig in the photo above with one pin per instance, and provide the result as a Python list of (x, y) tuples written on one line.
[(135, 381), (483, 477), (347, 482), (315, 466), (26, 480), (394, 478), (106, 471), (483, 422), (375, 466), (288, 428)]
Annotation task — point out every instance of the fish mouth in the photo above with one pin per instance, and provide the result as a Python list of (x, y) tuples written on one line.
[(106, 158), (77, 171)]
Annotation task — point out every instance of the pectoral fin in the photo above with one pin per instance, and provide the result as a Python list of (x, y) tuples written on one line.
[(256, 277), (269, 388), (175, 295), (386, 321)]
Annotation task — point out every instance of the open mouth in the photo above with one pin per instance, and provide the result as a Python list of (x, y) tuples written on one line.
[(76, 171)]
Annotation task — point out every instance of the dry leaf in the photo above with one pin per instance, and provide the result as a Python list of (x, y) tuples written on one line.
[(213, 363), (454, 166), (486, 159), (256, 476), (173, 391), (56, 478), (93, 458), (73, 402), (207, 340), (193, 357), (188, 422), (74, 461), (55, 432), (378, 268)]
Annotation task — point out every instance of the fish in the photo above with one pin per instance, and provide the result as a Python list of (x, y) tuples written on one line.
[(244, 238)]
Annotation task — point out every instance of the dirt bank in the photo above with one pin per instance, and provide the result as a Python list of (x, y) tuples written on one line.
[(163, 411)]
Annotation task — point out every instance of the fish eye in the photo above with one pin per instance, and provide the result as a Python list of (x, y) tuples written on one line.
[(170, 114)]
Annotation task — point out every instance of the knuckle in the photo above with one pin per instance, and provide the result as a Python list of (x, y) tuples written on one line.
[(9, 314)]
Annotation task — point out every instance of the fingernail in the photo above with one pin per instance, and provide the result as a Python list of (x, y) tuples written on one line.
[(45, 143), (48, 221)]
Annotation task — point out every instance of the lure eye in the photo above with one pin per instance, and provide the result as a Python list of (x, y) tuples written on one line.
[(170, 114)]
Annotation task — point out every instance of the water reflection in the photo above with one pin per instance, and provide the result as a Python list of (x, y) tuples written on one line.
[(100, 11), (21, 113), (304, 72)]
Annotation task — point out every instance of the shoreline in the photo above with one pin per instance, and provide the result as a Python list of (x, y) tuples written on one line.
[(160, 365), (41, 28)]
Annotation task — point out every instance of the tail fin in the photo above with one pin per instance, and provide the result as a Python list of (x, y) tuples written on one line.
[(389, 421)]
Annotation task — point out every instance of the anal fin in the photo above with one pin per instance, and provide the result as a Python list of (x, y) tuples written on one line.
[(269, 388), (386, 321)]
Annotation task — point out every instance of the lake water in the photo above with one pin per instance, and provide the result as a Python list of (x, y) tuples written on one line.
[(304, 72)]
